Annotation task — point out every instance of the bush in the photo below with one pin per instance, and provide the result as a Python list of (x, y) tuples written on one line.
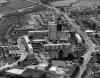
[(44, 75)]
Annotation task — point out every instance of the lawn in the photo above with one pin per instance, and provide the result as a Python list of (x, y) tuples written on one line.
[(86, 3)]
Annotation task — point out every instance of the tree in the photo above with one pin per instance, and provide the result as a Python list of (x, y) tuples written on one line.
[(30, 76), (45, 1), (60, 54), (44, 75), (62, 9)]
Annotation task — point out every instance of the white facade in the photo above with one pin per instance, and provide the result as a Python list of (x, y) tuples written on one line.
[(16, 71), (52, 31), (3, 1), (24, 43)]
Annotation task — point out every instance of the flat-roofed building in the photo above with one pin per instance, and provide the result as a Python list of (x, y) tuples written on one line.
[(3, 1), (15, 71), (24, 44), (52, 31)]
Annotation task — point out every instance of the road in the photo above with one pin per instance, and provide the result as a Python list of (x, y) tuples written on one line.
[(82, 33), (13, 64), (88, 42)]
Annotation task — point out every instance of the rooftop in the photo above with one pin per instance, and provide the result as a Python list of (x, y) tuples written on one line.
[(16, 71)]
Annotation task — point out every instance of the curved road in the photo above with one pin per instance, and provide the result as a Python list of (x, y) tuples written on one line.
[(15, 63), (89, 43)]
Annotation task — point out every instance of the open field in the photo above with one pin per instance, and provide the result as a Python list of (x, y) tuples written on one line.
[(62, 3), (86, 3), (6, 23)]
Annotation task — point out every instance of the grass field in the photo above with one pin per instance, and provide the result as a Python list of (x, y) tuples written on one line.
[(87, 3), (6, 23), (62, 3)]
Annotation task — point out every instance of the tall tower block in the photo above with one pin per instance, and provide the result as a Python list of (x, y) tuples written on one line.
[(52, 26)]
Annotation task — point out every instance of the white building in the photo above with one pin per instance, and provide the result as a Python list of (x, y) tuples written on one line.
[(52, 31)]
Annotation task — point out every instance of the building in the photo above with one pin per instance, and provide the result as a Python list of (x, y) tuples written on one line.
[(11, 49), (52, 31)]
